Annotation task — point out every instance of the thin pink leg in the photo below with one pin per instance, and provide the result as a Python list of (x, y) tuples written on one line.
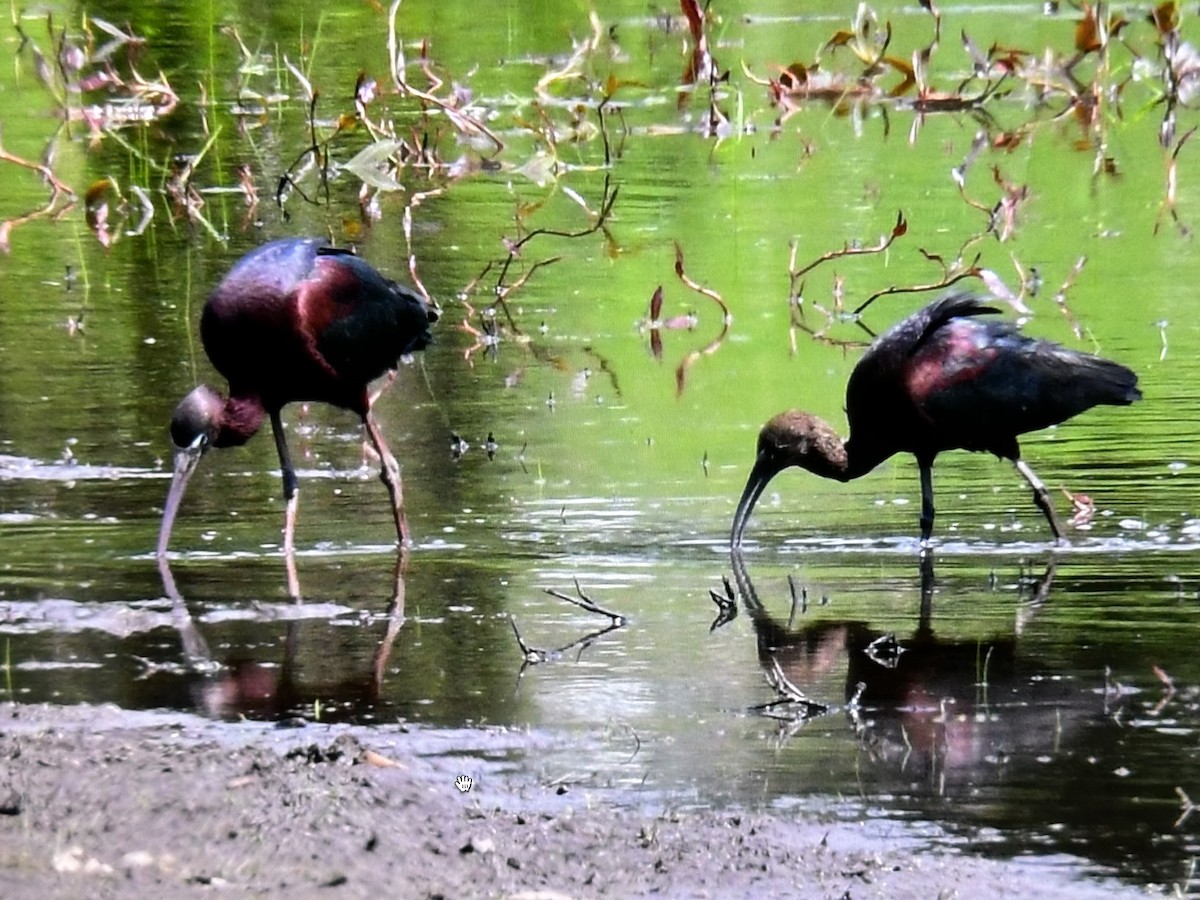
[(289, 524), (390, 473)]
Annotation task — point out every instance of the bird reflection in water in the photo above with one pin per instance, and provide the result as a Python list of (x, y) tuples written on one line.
[(243, 686), (943, 707)]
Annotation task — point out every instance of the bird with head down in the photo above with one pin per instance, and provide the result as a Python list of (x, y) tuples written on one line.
[(942, 379), (295, 320)]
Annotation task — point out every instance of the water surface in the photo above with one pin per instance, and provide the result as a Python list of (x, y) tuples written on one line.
[(1044, 703)]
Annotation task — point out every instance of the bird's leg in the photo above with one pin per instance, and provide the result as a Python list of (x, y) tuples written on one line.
[(372, 399), (926, 467), (388, 381), (1041, 497), (291, 485), (390, 473), (927, 583)]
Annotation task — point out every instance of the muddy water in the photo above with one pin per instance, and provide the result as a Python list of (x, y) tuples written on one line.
[(1022, 700)]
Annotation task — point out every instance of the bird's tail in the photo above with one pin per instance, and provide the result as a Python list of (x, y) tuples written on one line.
[(1111, 383)]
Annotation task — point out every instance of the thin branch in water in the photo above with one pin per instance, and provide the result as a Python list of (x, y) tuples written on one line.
[(532, 655), (726, 605), (898, 230), (712, 346), (503, 290), (1168, 201), (583, 601), (1060, 297), (462, 121), (57, 187), (414, 201)]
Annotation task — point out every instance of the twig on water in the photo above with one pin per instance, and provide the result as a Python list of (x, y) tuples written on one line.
[(583, 601), (726, 605)]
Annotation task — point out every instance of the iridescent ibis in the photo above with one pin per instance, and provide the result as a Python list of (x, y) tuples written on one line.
[(295, 320), (942, 379)]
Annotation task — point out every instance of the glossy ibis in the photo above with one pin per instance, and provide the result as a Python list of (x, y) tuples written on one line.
[(942, 379), (295, 320)]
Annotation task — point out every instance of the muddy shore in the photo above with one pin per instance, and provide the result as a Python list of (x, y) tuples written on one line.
[(97, 802)]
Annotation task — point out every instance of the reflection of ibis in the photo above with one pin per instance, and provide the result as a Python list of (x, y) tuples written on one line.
[(295, 320), (244, 684), (942, 379), (935, 704)]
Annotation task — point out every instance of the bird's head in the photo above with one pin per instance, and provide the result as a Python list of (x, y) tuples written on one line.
[(195, 425), (196, 421), (792, 438)]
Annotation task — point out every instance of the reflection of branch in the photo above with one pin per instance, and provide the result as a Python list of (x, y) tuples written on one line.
[(898, 230), (606, 203), (45, 171), (57, 190), (314, 149), (726, 605), (7, 226), (946, 281), (415, 201), (461, 120), (712, 346), (502, 290), (1061, 296), (1168, 201), (797, 704), (535, 655)]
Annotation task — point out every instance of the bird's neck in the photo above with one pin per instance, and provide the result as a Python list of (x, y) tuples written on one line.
[(860, 458), (240, 419)]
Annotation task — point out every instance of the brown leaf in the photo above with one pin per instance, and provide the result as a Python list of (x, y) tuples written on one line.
[(656, 303), (1087, 32), (1165, 17), (798, 72), (904, 68), (695, 17), (840, 39), (97, 191)]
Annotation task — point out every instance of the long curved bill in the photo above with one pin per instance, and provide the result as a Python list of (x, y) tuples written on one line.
[(186, 459), (760, 476)]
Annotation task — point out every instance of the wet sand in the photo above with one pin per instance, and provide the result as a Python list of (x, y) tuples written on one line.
[(98, 802)]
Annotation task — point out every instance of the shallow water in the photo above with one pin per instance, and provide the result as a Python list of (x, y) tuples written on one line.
[(1045, 704)]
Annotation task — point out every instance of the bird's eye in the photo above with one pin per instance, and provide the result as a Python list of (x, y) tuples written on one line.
[(199, 442)]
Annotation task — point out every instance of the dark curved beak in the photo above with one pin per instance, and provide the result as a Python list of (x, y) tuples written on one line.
[(765, 468), (186, 459)]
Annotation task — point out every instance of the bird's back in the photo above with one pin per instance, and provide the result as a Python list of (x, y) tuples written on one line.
[(944, 379), (295, 320)]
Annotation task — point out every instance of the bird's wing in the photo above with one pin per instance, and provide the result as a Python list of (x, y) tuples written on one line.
[(877, 386), (979, 384), (362, 322), (925, 323)]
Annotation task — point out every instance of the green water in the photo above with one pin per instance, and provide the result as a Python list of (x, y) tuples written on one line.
[(625, 483)]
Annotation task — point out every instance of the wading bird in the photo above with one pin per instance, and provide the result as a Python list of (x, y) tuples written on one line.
[(941, 379), (295, 320)]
